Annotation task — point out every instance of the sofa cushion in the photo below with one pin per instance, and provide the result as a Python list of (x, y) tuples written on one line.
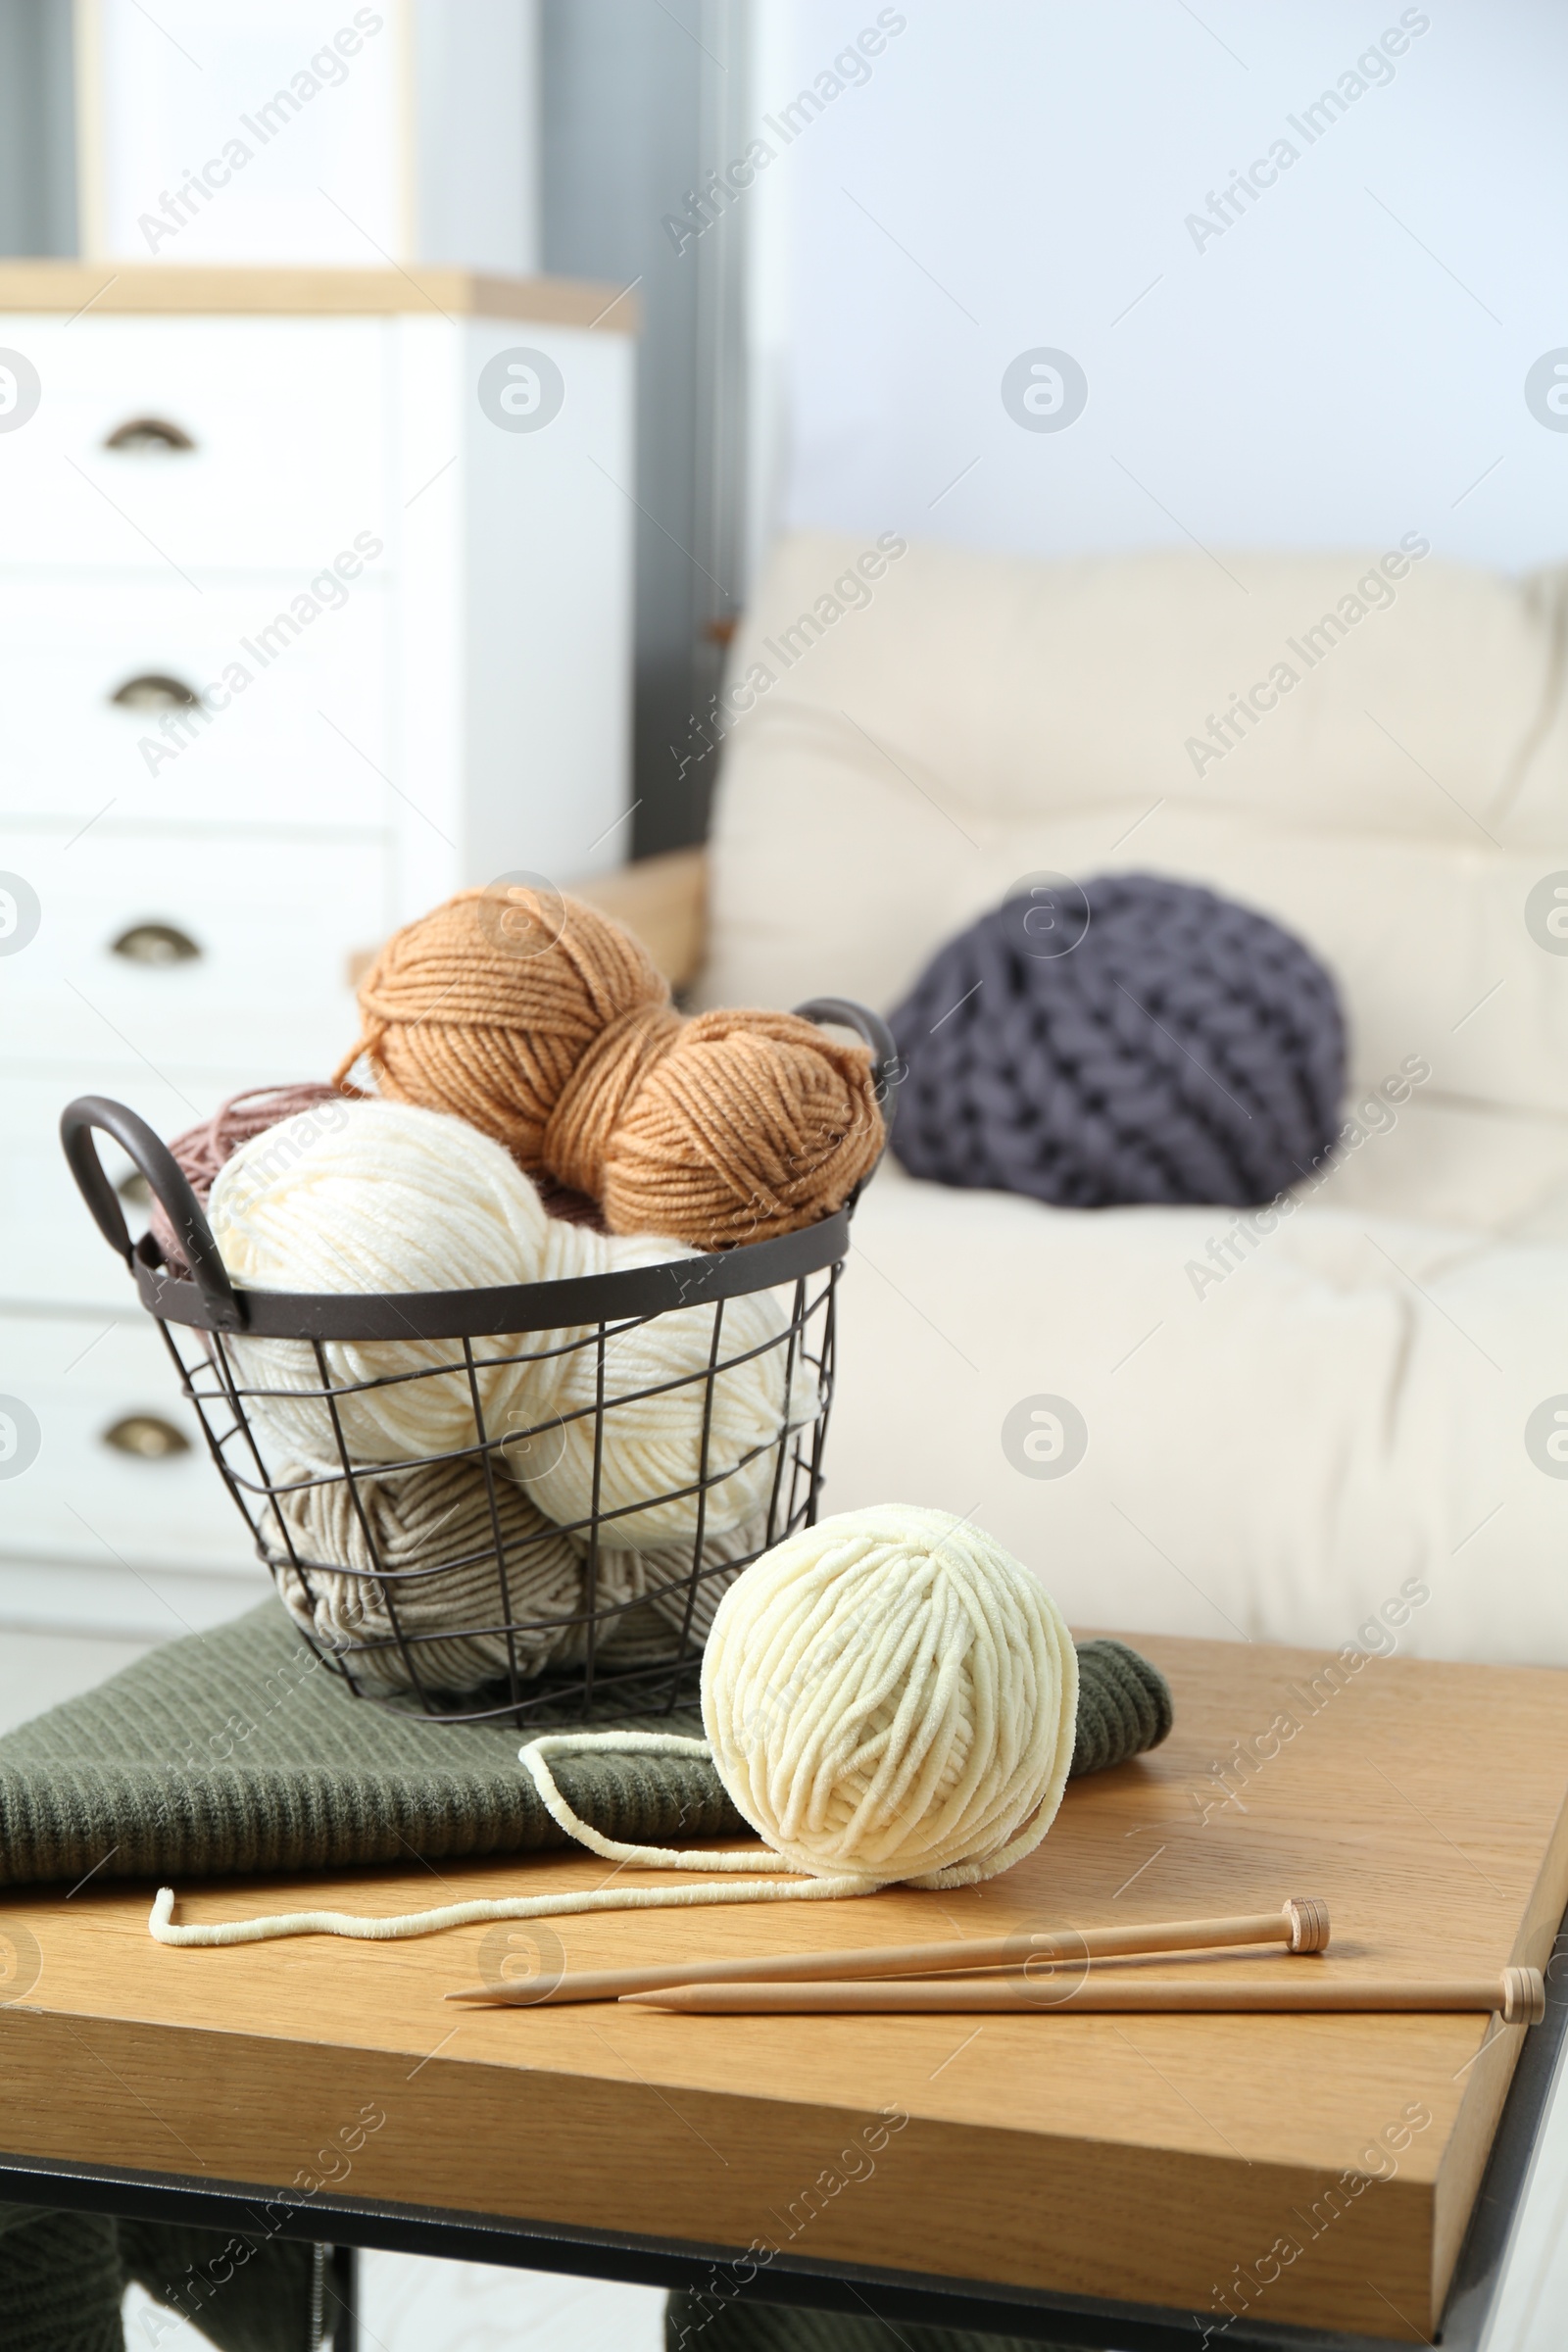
[(1277, 1434), (982, 718)]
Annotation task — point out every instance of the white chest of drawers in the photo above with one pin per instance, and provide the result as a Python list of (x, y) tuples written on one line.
[(298, 633)]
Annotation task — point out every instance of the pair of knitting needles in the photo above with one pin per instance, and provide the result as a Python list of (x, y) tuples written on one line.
[(1018, 1973)]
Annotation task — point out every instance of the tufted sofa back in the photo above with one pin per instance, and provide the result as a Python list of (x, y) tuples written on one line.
[(1371, 747)]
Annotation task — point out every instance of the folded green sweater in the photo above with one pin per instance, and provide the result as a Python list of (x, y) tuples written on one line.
[(238, 1750)]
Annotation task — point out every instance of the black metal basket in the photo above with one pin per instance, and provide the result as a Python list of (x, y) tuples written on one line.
[(505, 1618)]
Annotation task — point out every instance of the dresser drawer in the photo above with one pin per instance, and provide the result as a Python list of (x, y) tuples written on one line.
[(283, 424), (290, 723), (105, 1397), (182, 950)]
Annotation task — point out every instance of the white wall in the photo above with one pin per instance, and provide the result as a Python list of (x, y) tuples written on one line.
[(1341, 365), (321, 131)]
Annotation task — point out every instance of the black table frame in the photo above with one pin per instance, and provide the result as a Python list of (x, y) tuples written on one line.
[(904, 2298)]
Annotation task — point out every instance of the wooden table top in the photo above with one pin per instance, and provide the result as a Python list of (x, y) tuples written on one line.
[(1319, 2170)]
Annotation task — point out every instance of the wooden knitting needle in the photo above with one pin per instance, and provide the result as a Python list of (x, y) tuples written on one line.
[(1519, 1993), (1301, 1925)]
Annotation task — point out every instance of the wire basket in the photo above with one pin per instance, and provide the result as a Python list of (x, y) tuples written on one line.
[(437, 1584)]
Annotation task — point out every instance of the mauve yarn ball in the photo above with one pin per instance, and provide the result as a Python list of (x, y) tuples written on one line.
[(1135, 1040)]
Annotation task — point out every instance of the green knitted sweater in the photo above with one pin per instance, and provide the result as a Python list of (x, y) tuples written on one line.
[(236, 1750)]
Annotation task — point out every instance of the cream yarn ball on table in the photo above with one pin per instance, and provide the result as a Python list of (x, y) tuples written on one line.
[(889, 1697)]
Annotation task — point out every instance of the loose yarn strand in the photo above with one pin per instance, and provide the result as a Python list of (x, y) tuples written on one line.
[(614, 1850), (364, 1929), (367, 1930)]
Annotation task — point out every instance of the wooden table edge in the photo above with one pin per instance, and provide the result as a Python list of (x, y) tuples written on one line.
[(629, 2258)]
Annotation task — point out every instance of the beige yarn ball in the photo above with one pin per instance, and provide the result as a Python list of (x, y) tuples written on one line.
[(434, 1554), (670, 1605), (891, 1697)]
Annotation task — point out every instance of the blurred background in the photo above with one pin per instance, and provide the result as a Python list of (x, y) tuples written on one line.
[(1292, 277), (1338, 366), (798, 255)]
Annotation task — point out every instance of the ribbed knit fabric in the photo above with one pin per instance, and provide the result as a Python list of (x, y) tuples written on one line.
[(1124, 1705), (61, 2282), (693, 2324), (63, 2276), (236, 1750), (246, 2293)]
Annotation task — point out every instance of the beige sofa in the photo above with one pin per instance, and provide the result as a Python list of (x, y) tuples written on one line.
[(1339, 1424)]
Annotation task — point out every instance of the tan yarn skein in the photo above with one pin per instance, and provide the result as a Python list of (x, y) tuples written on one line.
[(726, 1128), (434, 1529), (454, 1020)]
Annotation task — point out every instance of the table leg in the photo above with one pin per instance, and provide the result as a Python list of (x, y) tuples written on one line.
[(341, 2297)]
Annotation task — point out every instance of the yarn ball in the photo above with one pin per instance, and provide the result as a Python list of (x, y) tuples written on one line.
[(652, 1457), (722, 1129), (390, 1198), (432, 1577), (889, 1697), (435, 1544), (676, 1602), (204, 1148), (1185, 1049)]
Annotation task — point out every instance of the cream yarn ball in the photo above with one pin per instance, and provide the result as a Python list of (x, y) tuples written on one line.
[(654, 1439), (890, 1696), (889, 1699), (389, 1199)]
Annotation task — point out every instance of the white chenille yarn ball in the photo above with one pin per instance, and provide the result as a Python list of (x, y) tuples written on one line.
[(652, 1457), (390, 1198), (890, 1696)]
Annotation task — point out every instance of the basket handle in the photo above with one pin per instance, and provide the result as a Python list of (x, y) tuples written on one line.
[(168, 1181), (887, 1066)]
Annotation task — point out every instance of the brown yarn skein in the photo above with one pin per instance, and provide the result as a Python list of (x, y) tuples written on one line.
[(726, 1128)]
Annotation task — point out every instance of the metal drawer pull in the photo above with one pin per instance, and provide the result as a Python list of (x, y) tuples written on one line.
[(154, 692), (146, 1436), (156, 943), (140, 434)]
